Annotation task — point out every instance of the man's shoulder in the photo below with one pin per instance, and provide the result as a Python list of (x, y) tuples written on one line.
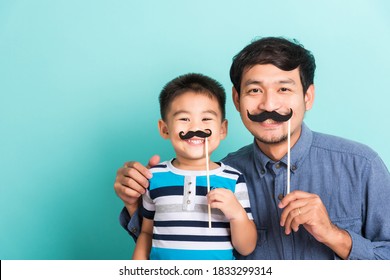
[(238, 158), (337, 144)]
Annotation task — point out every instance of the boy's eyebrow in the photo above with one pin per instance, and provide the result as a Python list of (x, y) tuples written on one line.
[(180, 112), (211, 112), (187, 112)]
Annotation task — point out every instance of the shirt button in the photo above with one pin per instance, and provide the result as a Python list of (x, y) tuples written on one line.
[(188, 201), (262, 172), (294, 167), (133, 230), (280, 196), (277, 166)]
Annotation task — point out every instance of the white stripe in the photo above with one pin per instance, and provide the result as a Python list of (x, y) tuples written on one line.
[(192, 231), (241, 187), (192, 245), (148, 204), (191, 216), (158, 169)]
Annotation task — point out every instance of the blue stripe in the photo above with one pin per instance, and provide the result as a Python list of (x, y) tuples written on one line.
[(176, 254), (217, 182), (198, 224), (192, 238), (201, 191), (172, 190), (159, 166), (232, 172), (165, 179), (248, 209), (240, 179), (148, 214)]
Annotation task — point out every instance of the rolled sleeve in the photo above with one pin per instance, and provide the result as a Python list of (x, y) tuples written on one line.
[(131, 224), (361, 248)]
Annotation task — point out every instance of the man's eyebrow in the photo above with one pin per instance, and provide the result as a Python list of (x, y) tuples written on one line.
[(286, 81), (257, 82), (252, 82)]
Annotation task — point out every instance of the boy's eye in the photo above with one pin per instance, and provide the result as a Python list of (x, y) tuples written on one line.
[(206, 119), (184, 119)]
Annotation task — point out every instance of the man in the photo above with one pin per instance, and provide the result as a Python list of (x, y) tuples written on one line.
[(338, 206)]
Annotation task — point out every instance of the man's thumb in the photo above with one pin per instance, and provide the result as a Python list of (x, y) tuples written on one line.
[(153, 161)]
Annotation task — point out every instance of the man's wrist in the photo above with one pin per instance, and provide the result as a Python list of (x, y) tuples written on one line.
[(340, 242), (132, 208)]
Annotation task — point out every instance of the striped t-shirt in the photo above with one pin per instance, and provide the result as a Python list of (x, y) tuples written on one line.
[(176, 201)]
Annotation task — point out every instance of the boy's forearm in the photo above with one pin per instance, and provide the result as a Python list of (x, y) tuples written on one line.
[(143, 246), (144, 242), (244, 235)]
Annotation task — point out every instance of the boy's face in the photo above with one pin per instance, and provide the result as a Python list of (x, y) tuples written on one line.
[(192, 111)]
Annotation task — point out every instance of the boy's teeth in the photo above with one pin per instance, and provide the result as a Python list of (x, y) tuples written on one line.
[(197, 141)]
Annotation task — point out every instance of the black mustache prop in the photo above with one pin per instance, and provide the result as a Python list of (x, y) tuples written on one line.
[(198, 133), (270, 115)]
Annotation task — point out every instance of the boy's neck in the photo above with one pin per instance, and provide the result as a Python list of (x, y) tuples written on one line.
[(199, 164)]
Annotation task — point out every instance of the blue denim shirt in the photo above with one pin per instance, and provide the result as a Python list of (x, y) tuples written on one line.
[(350, 178)]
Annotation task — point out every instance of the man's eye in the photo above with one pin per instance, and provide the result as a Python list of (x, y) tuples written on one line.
[(255, 90), (284, 89)]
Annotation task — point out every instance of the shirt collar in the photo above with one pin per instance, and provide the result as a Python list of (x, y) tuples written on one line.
[(297, 153)]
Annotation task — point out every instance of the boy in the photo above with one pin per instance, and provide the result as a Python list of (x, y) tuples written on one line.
[(176, 220)]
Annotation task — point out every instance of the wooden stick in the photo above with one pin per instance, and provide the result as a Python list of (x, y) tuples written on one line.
[(288, 154), (208, 175)]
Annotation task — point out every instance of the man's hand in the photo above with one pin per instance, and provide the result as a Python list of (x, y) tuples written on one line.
[(307, 209), (132, 181)]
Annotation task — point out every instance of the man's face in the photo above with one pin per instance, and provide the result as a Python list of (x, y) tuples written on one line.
[(268, 88)]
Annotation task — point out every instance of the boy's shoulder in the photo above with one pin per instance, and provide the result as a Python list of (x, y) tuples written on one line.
[(230, 169), (160, 167)]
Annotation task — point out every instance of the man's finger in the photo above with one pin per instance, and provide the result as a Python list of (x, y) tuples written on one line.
[(133, 168)]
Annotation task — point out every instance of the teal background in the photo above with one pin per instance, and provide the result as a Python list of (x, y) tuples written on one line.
[(79, 81)]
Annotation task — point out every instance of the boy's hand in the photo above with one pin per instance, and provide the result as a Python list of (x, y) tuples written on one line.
[(224, 200)]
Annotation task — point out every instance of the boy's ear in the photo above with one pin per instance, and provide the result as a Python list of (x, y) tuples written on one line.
[(224, 129), (163, 129)]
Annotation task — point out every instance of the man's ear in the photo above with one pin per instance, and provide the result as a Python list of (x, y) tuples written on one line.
[(163, 129), (224, 129), (309, 97), (236, 98)]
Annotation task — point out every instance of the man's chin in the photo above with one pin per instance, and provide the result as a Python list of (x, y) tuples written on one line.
[(272, 140)]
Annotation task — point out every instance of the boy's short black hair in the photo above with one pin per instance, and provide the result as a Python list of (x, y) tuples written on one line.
[(194, 82)]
